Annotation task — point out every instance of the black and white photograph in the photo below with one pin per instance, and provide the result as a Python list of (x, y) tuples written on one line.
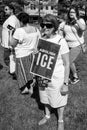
[(43, 64)]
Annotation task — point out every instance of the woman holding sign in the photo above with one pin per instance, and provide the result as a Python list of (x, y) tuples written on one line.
[(55, 93)]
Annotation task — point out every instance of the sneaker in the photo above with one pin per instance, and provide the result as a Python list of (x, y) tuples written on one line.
[(25, 91), (44, 120), (75, 80)]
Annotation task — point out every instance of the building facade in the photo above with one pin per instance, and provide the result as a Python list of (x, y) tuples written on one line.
[(36, 10)]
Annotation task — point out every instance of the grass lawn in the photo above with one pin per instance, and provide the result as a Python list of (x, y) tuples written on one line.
[(18, 112)]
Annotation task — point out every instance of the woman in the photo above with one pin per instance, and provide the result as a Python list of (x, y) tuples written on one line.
[(73, 31), (51, 95), (24, 42)]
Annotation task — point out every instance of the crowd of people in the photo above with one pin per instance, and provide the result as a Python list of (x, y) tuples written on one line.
[(20, 38)]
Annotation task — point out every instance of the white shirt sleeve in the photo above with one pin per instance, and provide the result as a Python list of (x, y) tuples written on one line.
[(18, 34)]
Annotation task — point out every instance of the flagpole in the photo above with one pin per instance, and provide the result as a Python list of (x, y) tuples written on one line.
[(57, 8)]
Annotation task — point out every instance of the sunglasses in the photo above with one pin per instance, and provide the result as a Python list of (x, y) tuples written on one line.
[(47, 25)]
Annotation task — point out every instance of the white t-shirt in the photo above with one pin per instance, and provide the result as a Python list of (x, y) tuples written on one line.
[(59, 67), (71, 36), (27, 42), (12, 21)]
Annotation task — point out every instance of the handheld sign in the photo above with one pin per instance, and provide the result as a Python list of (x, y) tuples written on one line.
[(44, 61)]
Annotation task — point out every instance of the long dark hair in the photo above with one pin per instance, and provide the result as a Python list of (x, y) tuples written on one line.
[(68, 21)]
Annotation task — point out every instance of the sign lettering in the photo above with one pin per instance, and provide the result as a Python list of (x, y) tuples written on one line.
[(44, 61)]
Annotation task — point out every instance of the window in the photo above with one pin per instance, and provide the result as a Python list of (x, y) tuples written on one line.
[(46, 7), (33, 7), (41, 6)]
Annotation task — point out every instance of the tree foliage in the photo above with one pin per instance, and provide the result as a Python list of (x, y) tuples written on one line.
[(62, 2)]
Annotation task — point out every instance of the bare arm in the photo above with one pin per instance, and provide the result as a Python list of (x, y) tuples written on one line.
[(80, 23), (64, 87), (66, 62)]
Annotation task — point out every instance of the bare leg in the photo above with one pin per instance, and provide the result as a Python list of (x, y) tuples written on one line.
[(75, 78), (47, 110), (60, 120), (74, 53), (73, 69)]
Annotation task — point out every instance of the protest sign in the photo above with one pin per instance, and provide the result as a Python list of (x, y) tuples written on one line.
[(44, 61)]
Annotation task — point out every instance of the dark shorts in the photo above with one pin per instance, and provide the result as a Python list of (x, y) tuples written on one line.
[(7, 53)]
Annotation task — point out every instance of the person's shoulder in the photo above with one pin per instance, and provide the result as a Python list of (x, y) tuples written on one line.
[(62, 25), (34, 30), (61, 39), (13, 18), (19, 30)]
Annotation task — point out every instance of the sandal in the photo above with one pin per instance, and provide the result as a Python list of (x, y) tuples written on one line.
[(75, 80), (44, 120), (60, 125)]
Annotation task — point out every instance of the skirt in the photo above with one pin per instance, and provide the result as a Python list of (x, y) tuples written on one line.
[(51, 95), (24, 77)]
